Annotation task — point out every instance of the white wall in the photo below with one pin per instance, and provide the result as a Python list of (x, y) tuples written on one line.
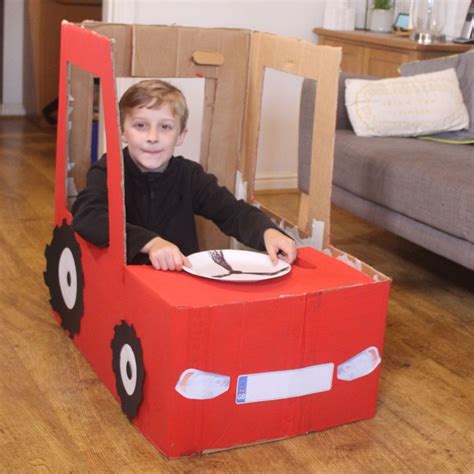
[(12, 92), (292, 18)]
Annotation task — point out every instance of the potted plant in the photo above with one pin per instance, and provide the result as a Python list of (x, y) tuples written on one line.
[(381, 18)]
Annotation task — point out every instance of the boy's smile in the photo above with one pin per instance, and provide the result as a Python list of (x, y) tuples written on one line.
[(152, 135)]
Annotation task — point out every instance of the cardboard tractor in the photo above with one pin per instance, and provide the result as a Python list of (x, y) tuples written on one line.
[(197, 364)]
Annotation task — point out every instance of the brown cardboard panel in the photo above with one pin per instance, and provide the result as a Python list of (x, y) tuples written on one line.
[(155, 51), (176, 47), (328, 61), (207, 120), (197, 39), (209, 235), (225, 145), (122, 35), (248, 157), (225, 135), (315, 62)]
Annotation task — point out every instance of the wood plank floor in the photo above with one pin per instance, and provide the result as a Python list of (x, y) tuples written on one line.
[(56, 416)]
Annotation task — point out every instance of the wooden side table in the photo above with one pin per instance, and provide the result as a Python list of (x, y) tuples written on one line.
[(380, 54)]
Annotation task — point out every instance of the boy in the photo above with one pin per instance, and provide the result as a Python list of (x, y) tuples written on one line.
[(164, 192)]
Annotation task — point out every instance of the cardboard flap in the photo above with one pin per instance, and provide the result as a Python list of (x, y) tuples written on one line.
[(320, 63), (122, 40)]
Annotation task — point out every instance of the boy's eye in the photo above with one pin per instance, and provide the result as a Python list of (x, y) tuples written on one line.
[(139, 125), (166, 126)]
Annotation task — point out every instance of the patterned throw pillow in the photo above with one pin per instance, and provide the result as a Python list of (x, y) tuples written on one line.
[(464, 67), (406, 106)]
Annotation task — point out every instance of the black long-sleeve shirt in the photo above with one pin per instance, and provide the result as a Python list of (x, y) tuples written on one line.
[(164, 204)]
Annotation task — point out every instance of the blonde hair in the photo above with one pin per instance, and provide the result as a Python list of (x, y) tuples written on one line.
[(152, 94)]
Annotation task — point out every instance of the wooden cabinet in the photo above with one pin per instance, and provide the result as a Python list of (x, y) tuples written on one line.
[(380, 54), (41, 47)]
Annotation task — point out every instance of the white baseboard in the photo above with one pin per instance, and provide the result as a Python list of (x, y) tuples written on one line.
[(12, 110), (277, 182)]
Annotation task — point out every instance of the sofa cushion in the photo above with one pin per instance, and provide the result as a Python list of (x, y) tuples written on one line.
[(406, 106), (427, 181), (464, 66)]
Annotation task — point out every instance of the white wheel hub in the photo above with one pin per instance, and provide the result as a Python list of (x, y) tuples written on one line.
[(68, 277), (129, 378)]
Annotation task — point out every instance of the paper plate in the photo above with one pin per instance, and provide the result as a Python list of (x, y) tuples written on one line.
[(246, 266)]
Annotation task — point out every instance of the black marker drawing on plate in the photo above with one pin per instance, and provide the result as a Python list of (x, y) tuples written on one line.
[(218, 257)]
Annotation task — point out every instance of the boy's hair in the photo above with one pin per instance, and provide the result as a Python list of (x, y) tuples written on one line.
[(152, 94)]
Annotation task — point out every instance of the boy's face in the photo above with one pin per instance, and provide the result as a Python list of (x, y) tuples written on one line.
[(151, 136)]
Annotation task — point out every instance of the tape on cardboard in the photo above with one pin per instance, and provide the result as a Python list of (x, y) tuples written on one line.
[(240, 186), (315, 240), (208, 58), (317, 234)]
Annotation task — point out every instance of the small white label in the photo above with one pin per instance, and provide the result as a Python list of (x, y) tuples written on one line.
[(283, 384)]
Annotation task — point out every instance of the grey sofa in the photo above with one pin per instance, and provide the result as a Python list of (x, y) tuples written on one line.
[(420, 190)]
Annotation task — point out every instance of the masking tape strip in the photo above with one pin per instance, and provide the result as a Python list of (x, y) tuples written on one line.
[(240, 187), (317, 234), (315, 240)]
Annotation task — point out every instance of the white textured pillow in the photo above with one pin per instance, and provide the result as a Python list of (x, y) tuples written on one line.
[(406, 106)]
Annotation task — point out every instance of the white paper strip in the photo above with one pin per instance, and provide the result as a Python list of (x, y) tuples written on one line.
[(284, 384)]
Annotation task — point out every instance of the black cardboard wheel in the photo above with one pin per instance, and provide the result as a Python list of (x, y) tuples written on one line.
[(127, 364), (64, 277)]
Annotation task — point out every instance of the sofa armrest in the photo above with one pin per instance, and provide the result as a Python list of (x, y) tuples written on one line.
[(342, 118)]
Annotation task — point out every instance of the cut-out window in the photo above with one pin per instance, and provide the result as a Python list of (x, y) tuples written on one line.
[(284, 143), (82, 128), (85, 123)]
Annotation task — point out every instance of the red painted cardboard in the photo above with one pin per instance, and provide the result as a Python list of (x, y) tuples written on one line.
[(323, 312)]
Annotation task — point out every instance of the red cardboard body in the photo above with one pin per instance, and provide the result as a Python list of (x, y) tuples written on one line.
[(323, 311), (323, 314)]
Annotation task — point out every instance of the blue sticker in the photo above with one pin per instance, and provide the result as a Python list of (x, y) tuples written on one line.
[(241, 389)]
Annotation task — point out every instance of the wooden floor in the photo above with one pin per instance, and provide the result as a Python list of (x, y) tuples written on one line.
[(56, 416)]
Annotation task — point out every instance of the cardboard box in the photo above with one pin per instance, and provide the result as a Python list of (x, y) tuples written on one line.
[(201, 365)]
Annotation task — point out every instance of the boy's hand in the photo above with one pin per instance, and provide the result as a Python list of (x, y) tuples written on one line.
[(164, 255), (279, 243)]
